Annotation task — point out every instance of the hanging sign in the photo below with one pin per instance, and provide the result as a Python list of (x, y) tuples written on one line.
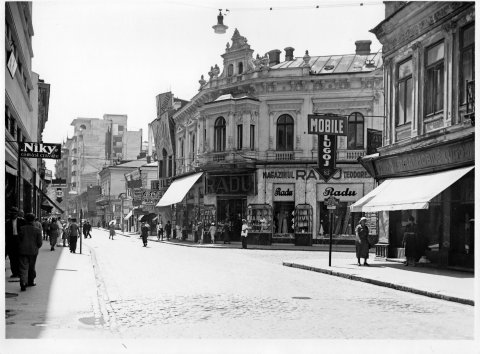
[(40, 150), (327, 156), (327, 127)]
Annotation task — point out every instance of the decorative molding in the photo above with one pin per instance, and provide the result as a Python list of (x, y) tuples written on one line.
[(413, 31), (450, 27), (290, 106)]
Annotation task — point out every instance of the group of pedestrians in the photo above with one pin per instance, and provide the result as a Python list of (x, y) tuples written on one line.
[(23, 238)]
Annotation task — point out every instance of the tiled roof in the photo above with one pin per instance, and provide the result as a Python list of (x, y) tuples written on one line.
[(336, 64)]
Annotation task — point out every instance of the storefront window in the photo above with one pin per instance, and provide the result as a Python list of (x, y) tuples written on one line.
[(283, 213), (343, 222)]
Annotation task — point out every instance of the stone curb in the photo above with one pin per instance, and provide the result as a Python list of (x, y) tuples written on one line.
[(382, 283)]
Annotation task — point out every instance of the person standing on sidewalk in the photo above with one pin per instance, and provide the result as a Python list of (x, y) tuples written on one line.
[(410, 241), (12, 228), (87, 227), (111, 230), (213, 231), (244, 233), (38, 224), (144, 233), (361, 241), (73, 233), (66, 232), (160, 230), (54, 232), (30, 240), (168, 229)]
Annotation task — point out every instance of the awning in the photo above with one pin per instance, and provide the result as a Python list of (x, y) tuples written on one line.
[(10, 170), (407, 193), (52, 202), (178, 189), (129, 215)]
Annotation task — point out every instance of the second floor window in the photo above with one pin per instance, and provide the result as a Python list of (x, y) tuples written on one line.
[(252, 137), (285, 133), (434, 73), (239, 137), (230, 70), (405, 93), (467, 58), (162, 164), (355, 135), (219, 134)]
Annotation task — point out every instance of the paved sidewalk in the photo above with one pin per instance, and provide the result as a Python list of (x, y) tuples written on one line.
[(64, 301), (423, 280)]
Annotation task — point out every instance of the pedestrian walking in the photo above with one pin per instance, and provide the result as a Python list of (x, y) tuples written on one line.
[(111, 228), (244, 233), (87, 227), (212, 231), (12, 229), (54, 233), (73, 234), (410, 242), (362, 246), (45, 226), (144, 233), (168, 229), (60, 230), (30, 240), (38, 225), (160, 230), (66, 233)]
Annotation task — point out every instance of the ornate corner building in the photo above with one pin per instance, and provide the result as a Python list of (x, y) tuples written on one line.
[(242, 150)]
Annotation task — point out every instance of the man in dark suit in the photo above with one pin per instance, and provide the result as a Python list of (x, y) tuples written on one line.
[(12, 229), (30, 240)]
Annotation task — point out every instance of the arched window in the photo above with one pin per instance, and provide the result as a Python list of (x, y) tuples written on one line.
[(230, 70), (83, 127), (355, 131), (240, 68), (219, 135), (285, 133)]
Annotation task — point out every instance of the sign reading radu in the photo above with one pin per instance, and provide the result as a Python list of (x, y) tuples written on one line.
[(40, 150)]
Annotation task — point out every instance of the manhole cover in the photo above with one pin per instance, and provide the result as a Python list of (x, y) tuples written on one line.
[(301, 297), (8, 295)]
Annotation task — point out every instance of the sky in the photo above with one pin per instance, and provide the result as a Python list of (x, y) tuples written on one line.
[(113, 57)]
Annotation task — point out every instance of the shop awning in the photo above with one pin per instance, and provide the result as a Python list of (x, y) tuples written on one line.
[(407, 193), (51, 202), (129, 215), (178, 189)]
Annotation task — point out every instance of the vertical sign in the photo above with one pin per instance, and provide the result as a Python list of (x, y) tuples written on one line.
[(327, 127)]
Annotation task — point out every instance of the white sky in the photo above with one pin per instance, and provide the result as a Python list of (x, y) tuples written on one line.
[(114, 57)]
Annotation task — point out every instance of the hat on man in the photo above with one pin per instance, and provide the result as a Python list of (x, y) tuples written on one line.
[(13, 210), (363, 218)]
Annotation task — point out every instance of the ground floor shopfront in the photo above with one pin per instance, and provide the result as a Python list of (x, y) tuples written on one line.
[(437, 189), (282, 204)]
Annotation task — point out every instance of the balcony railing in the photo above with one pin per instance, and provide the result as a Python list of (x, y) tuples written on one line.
[(230, 157)]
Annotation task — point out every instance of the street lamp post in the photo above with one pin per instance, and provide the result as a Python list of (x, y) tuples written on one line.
[(122, 198)]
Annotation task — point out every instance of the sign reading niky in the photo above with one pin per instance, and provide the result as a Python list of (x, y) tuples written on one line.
[(40, 150)]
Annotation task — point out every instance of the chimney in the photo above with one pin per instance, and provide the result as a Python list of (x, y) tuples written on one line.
[(362, 47), (274, 56), (289, 53)]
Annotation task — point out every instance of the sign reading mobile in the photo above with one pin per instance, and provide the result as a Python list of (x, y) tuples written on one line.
[(327, 124)]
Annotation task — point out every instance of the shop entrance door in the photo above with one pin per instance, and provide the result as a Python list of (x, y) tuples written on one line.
[(233, 210)]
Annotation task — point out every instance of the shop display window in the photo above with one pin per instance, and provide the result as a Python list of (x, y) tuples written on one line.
[(303, 219), (260, 218), (283, 213), (344, 221)]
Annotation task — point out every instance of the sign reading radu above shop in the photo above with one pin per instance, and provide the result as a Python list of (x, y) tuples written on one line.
[(345, 192), (230, 184), (305, 174)]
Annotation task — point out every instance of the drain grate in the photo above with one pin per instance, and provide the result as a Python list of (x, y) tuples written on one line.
[(301, 297)]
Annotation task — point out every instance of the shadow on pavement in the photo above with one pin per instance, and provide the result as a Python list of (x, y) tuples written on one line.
[(25, 313)]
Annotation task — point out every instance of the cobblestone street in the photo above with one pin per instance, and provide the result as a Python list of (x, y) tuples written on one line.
[(167, 291)]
